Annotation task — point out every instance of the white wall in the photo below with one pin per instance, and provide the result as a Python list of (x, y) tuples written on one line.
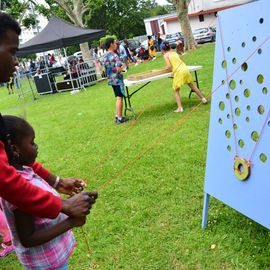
[(211, 4), (148, 28), (209, 20), (199, 5), (174, 26)]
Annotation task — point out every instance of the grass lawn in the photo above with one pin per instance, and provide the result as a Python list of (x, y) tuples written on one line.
[(149, 216)]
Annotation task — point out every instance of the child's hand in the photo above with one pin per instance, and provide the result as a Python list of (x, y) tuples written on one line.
[(77, 222), (70, 186)]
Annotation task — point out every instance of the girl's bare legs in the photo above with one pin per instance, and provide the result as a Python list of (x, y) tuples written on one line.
[(198, 92), (178, 100)]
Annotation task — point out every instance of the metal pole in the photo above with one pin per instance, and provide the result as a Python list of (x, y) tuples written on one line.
[(69, 70)]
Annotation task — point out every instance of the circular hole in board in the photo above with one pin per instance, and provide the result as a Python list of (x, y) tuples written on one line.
[(265, 90), (237, 111), (260, 79), (263, 157), (232, 84), (228, 134), (241, 143), (221, 105), (247, 92), (255, 136), (244, 66), (261, 109)]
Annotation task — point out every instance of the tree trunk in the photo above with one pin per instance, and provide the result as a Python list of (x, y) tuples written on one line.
[(182, 11), (85, 51), (75, 13)]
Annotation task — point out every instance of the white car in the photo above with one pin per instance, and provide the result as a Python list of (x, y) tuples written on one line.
[(78, 54)]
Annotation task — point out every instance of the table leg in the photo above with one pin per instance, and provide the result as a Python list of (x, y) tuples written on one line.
[(197, 83), (128, 106)]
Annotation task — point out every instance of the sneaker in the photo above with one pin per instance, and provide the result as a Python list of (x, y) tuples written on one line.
[(122, 120), (6, 250), (179, 110)]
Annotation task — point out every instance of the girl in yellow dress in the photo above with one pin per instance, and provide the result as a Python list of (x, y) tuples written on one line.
[(151, 47), (181, 75)]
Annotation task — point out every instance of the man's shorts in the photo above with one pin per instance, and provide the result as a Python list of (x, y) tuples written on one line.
[(117, 91)]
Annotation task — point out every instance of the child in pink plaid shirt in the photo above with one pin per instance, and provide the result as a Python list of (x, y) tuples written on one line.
[(40, 243)]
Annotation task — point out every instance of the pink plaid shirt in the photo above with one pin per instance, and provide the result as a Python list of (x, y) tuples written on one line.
[(51, 254)]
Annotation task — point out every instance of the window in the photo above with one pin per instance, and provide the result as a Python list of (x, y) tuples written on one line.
[(201, 18)]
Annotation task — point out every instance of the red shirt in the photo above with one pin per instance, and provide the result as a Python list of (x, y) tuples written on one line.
[(27, 197)]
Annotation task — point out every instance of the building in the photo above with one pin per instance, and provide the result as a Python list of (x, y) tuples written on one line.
[(202, 13), (41, 22)]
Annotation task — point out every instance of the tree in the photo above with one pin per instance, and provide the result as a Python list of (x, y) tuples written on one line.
[(75, 10), (182, 12), (122, 18), (19, 10)]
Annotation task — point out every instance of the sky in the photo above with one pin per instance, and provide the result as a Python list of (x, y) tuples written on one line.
[(162, 2)]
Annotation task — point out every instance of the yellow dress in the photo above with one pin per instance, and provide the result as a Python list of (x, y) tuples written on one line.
[(151, 43), (181, 74)]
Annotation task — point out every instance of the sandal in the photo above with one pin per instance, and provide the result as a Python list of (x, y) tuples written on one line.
[(179, 110), (204, 100), (6, 250)]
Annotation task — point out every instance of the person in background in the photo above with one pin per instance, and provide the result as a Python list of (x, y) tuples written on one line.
[(130, 56), (181, 75), (179, 46), (159, 41), (10, 85), (123, 55), (113, 65), (151, 48)]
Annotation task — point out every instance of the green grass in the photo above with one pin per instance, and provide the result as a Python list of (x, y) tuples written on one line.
[(149, 216)]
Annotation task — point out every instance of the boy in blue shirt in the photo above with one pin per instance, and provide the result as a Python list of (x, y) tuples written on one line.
[(113, 66)]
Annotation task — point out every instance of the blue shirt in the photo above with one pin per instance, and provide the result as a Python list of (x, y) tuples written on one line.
[(111, 62)]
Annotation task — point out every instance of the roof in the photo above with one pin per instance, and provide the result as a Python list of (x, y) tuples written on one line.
[(174, 18), (58, 34)]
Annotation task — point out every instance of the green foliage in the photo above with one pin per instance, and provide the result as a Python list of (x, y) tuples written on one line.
[(103, 39), (18, 9), (122, 19), (72, 49), (31, 56), (29, 21)]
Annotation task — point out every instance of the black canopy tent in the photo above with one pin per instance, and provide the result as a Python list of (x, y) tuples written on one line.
[(58, 34)]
